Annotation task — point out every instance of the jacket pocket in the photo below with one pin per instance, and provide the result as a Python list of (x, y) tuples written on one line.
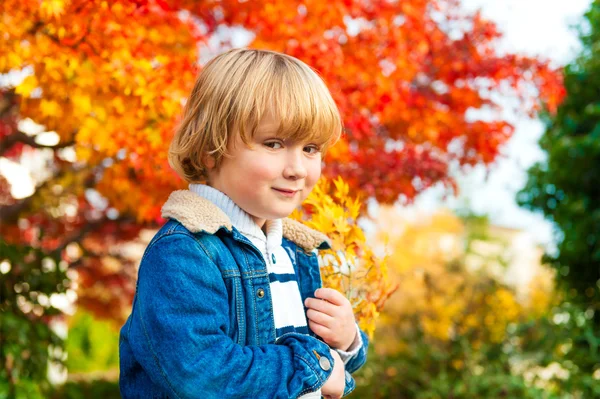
[(237, 322)]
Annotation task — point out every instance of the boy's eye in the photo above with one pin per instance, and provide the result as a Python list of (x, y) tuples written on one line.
[(274, 145), (312, 149)]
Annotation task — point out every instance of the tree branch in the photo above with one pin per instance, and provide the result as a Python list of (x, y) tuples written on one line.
[(7, 101), (80, 234), (20, 137), (88, 228), (9, 213)]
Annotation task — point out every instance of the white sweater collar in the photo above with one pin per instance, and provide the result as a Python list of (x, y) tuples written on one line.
[(240, 218)]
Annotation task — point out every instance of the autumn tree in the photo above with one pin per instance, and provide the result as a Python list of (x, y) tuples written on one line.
[(109, 77)]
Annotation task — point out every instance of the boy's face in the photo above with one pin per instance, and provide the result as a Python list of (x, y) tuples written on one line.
[(270, 179)]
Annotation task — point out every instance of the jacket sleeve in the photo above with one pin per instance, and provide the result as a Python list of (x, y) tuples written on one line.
[(356, 358), (178, 334), (356, 355)]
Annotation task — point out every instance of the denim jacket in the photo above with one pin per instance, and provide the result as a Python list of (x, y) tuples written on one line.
[(201, 324)]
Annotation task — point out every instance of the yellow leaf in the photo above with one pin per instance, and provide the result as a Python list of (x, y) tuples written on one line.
[(118, 105), (53, 8), (82, 102), (28, 84), (50, 108)]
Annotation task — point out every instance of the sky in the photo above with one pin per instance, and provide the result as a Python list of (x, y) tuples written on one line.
[(535, 28)]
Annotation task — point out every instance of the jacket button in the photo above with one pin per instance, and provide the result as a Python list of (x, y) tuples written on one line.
[(260, 292), (324, 363)]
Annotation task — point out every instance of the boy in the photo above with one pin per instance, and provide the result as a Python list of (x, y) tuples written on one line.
[(225, 302)]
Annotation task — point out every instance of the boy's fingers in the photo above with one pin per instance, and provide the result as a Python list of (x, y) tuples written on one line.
[(331, 295), (319, 317), (321, 306), (317, 328)]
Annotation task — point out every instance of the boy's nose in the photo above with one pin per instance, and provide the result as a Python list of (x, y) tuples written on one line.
[(295, 168)]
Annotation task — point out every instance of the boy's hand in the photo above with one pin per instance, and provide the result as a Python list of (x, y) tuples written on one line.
[(331, 317), (335, 384)]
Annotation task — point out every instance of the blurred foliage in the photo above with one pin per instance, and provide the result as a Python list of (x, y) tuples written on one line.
[(92, 344), (565, 342), (95, 389), (451, 273), (540, 358), (456, 329), (29, 284), (565, 185)]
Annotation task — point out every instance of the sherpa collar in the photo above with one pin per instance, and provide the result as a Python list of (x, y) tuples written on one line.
[(199, 214)]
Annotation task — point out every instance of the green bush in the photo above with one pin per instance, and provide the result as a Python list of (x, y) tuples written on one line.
[(97, 389), (563, 344), (92, 344)]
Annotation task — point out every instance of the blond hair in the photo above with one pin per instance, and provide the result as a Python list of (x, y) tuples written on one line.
[(233, 92)]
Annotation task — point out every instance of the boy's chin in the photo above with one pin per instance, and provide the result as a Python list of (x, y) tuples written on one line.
[(281, 214)]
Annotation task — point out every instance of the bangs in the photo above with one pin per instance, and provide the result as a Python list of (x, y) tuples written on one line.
[(297, 98)]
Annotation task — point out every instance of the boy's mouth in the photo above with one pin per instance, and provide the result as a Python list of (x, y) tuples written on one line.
[(286, 192)]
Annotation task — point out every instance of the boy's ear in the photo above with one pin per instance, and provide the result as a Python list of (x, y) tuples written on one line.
[(208, 161)]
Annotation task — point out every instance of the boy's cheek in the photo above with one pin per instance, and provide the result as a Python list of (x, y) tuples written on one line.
[(312, 180)]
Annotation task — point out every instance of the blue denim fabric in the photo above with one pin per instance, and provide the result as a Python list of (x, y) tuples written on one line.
[(199, 329)]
